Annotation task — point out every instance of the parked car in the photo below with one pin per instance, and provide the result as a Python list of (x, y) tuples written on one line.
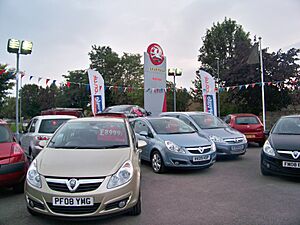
[(13, 161), (248, 124), (172, 143), (228, 141), (78, 112), (281, 152), (131, 111), (40, 128), (90, 167)]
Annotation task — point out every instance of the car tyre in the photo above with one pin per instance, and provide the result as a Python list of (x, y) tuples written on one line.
[(137, 209), (19, 188), (157, 162)]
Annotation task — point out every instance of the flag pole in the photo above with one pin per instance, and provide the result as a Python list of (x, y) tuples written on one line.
[(262, 84)]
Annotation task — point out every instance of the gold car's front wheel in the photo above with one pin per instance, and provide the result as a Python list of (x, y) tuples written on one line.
[(157, 162)]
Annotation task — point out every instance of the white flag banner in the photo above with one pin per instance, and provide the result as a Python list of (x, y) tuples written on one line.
[(97, 91), (208, 93)]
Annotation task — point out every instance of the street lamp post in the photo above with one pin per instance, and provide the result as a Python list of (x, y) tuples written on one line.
[(174, 72), (218, 72), (18, 47)]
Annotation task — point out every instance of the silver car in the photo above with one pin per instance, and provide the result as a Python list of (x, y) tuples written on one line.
[(172, 143), (228, 141)]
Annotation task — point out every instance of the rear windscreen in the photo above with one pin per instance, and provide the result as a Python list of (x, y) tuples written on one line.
[(5, 135), (49, 126), (246, 120)]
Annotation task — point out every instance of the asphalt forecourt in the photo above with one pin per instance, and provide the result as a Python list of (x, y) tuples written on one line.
[(232, 191)]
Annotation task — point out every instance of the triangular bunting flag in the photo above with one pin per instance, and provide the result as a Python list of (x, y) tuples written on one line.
[(39, 79), (30, 77), (2, 71), (47, 80), (68, 84), (247, 85)]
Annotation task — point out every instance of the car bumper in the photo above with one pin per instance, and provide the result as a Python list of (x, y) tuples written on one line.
[(273, 165), (231, 149), (255, 137), (187, 160), (105, 200), (11, 174)]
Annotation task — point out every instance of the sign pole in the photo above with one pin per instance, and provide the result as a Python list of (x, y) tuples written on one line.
[(262, 84), (17, 97)]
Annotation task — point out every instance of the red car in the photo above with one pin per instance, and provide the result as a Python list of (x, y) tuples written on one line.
[(13, 161), (248, 124)]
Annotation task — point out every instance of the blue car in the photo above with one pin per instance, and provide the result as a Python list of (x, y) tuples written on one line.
[(228, 141), (173, 143)]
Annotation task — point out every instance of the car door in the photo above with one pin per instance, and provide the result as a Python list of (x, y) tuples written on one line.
[(28, 135), (142, 127)]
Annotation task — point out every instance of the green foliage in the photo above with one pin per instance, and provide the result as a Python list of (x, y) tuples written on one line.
[(8, 109), (5, 82), (126, 71), (31, 105), (183, 98)]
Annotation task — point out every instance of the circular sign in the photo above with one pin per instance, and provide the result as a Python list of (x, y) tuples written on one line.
[(156, 54)]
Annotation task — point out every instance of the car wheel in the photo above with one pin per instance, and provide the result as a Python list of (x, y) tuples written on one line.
[(19, 188), (137, 209), (157, 162)]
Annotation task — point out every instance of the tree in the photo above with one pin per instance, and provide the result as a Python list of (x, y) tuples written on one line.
[(8, 109), (228, 42), (125, 71), (31, 105), (182, 98), (5, 82)]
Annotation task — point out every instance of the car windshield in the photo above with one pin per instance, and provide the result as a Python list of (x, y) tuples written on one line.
[(5, 135), (245, 120), (170, 126), (287, 125), (207, 121), (91, 135), (49, 126)]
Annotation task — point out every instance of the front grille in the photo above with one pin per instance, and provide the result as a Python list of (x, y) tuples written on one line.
[(234, 140), (60, 184), (287, 154), (73, 209), (200, 163), (195, 150)]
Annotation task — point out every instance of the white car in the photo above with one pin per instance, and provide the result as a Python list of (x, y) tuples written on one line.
[(40, 128)]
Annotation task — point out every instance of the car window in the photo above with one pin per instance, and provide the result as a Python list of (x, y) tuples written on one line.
[(187, 121), (166, 125), (140, 126), (208, 121), (49, 126), (244, 120), (32, 126), (288, 125), (5, 135), (91, 134)]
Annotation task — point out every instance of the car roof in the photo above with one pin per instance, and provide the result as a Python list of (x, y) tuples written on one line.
[(96, 118), (55, 117), (185, 113), (243, 114), (290, 116)]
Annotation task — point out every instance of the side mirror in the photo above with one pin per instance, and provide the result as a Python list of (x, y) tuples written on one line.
[(141, 144), (148, 113), (143, 133), (42, 143)]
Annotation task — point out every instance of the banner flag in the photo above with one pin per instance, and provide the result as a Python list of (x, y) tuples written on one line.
[(208, 93), (97, 91), (154, 80)]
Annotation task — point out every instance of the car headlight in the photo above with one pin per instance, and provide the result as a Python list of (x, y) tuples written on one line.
[(216, 139), (267, 148), (33, 177), (173, 147), (213, 147), (122, 176)]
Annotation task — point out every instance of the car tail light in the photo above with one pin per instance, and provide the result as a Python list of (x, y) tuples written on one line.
[(42, 138), (17, 154)]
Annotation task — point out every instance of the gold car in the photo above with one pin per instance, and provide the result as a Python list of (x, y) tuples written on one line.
[(90, 167)]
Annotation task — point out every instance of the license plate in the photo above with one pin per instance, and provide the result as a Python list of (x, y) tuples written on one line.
[(201, 158), (67, 201), (237, 148), (291, 164), (250, 136)]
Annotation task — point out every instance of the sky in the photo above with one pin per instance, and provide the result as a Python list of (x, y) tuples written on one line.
[(63, 31)]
